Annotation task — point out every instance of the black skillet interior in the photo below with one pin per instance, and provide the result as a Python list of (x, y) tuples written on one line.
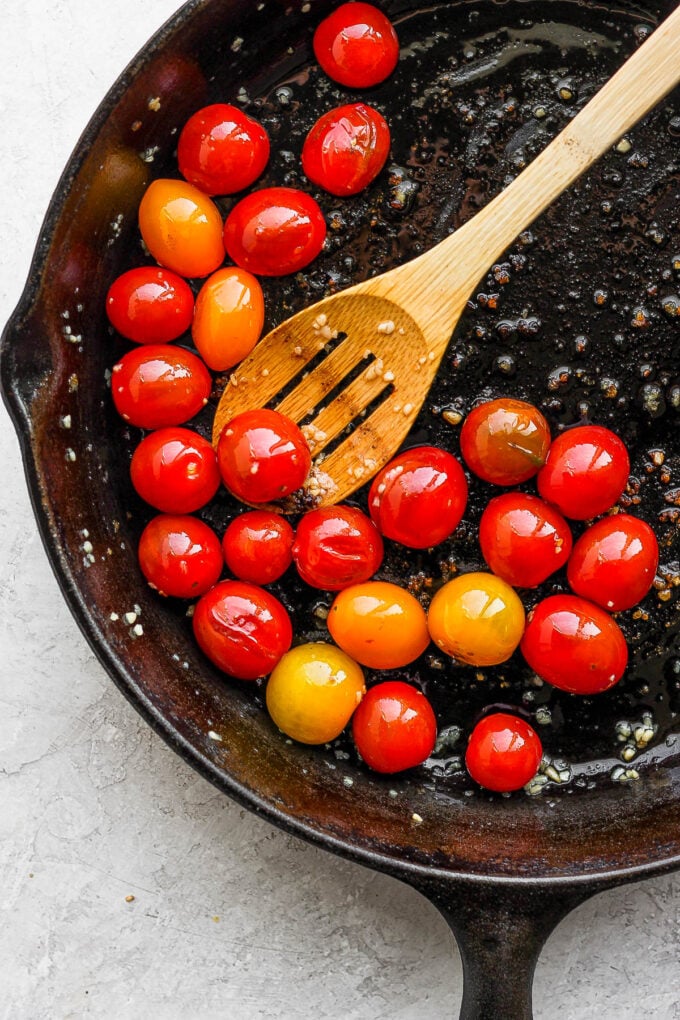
[(581, 317)]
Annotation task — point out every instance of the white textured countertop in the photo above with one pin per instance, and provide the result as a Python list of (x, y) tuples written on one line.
[(230, 917)]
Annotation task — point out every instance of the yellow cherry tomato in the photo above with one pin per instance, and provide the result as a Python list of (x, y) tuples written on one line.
[(313, 691), (477, 618), (379, 624), (181, 227), (228, 317)]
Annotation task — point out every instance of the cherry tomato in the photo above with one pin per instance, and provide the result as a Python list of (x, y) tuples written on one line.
[(313, 691), (229, 317), (150, 305), (379, 624), (336, 546), (274, 231), (158, 385), (523, 539), (243, 629), (181, 227), (476, 618), (574, 645), (585, 472), (346, 149), (505, 441), (222, 150), (356, 45), (258, 546), (419, 498), (614, 562), (503, 753), (175, 470), (262, 456), (180, 555), (394, 727)]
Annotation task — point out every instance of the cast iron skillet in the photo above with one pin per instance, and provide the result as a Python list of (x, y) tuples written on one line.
[(503, 871)]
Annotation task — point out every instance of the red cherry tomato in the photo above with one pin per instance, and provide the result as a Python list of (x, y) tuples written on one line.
[(258, 546), (585, 472), (614, 562), (157, 385), (181, 227), (274, 231), (243, 629), (504, 752), (356, 45), (346, 149), (574, 645), (150, 305), (523, 539), (222, 150), (175, 470), (262, 456), (228, 318), (336, 546), (394, 727), (419, 498), (180, 555), (505, 441)]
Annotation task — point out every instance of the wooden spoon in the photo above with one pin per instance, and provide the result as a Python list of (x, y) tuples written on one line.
[(393, 329)]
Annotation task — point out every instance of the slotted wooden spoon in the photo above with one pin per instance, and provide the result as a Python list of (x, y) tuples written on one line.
[(393, 329)]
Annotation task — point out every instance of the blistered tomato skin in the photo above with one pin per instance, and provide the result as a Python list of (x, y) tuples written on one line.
[(274, 231), (157, 385), (419, 497), (574, 645), (356, 45), (262, 456), (336, 546), (313, 692), (181, 227), (258, 546), (149, 305), (586, 471), (503, 753), (476, 618), (346, 149), (175, 470), (222, 150), (394, 728), (505, 441), (614, 562), (523, 539), (379, 624), (180, 556), (228, 318), (243, 629)]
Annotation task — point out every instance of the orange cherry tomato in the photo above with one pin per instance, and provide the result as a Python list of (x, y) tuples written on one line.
[(477, 618), (379, 624), (181, 227), (228, 317)]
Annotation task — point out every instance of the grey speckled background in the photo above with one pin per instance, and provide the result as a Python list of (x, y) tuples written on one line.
[(230, 918)]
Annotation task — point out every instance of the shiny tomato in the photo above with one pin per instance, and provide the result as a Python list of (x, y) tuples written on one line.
[(158, 385), (180, 555), (243, 629), (150, 305), (503, 753), (614, 562), (476, 618), (574, 645), (175, 470), (523, 539), (336, 546), (585, 472), (313, 692), (505, 441), (346, 149), (419, 497), (379, 624), (181, 227), (274, 231), (356, 45), (394, 728), (263, 456), (258, 546), (228, 318), (222, 150)]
